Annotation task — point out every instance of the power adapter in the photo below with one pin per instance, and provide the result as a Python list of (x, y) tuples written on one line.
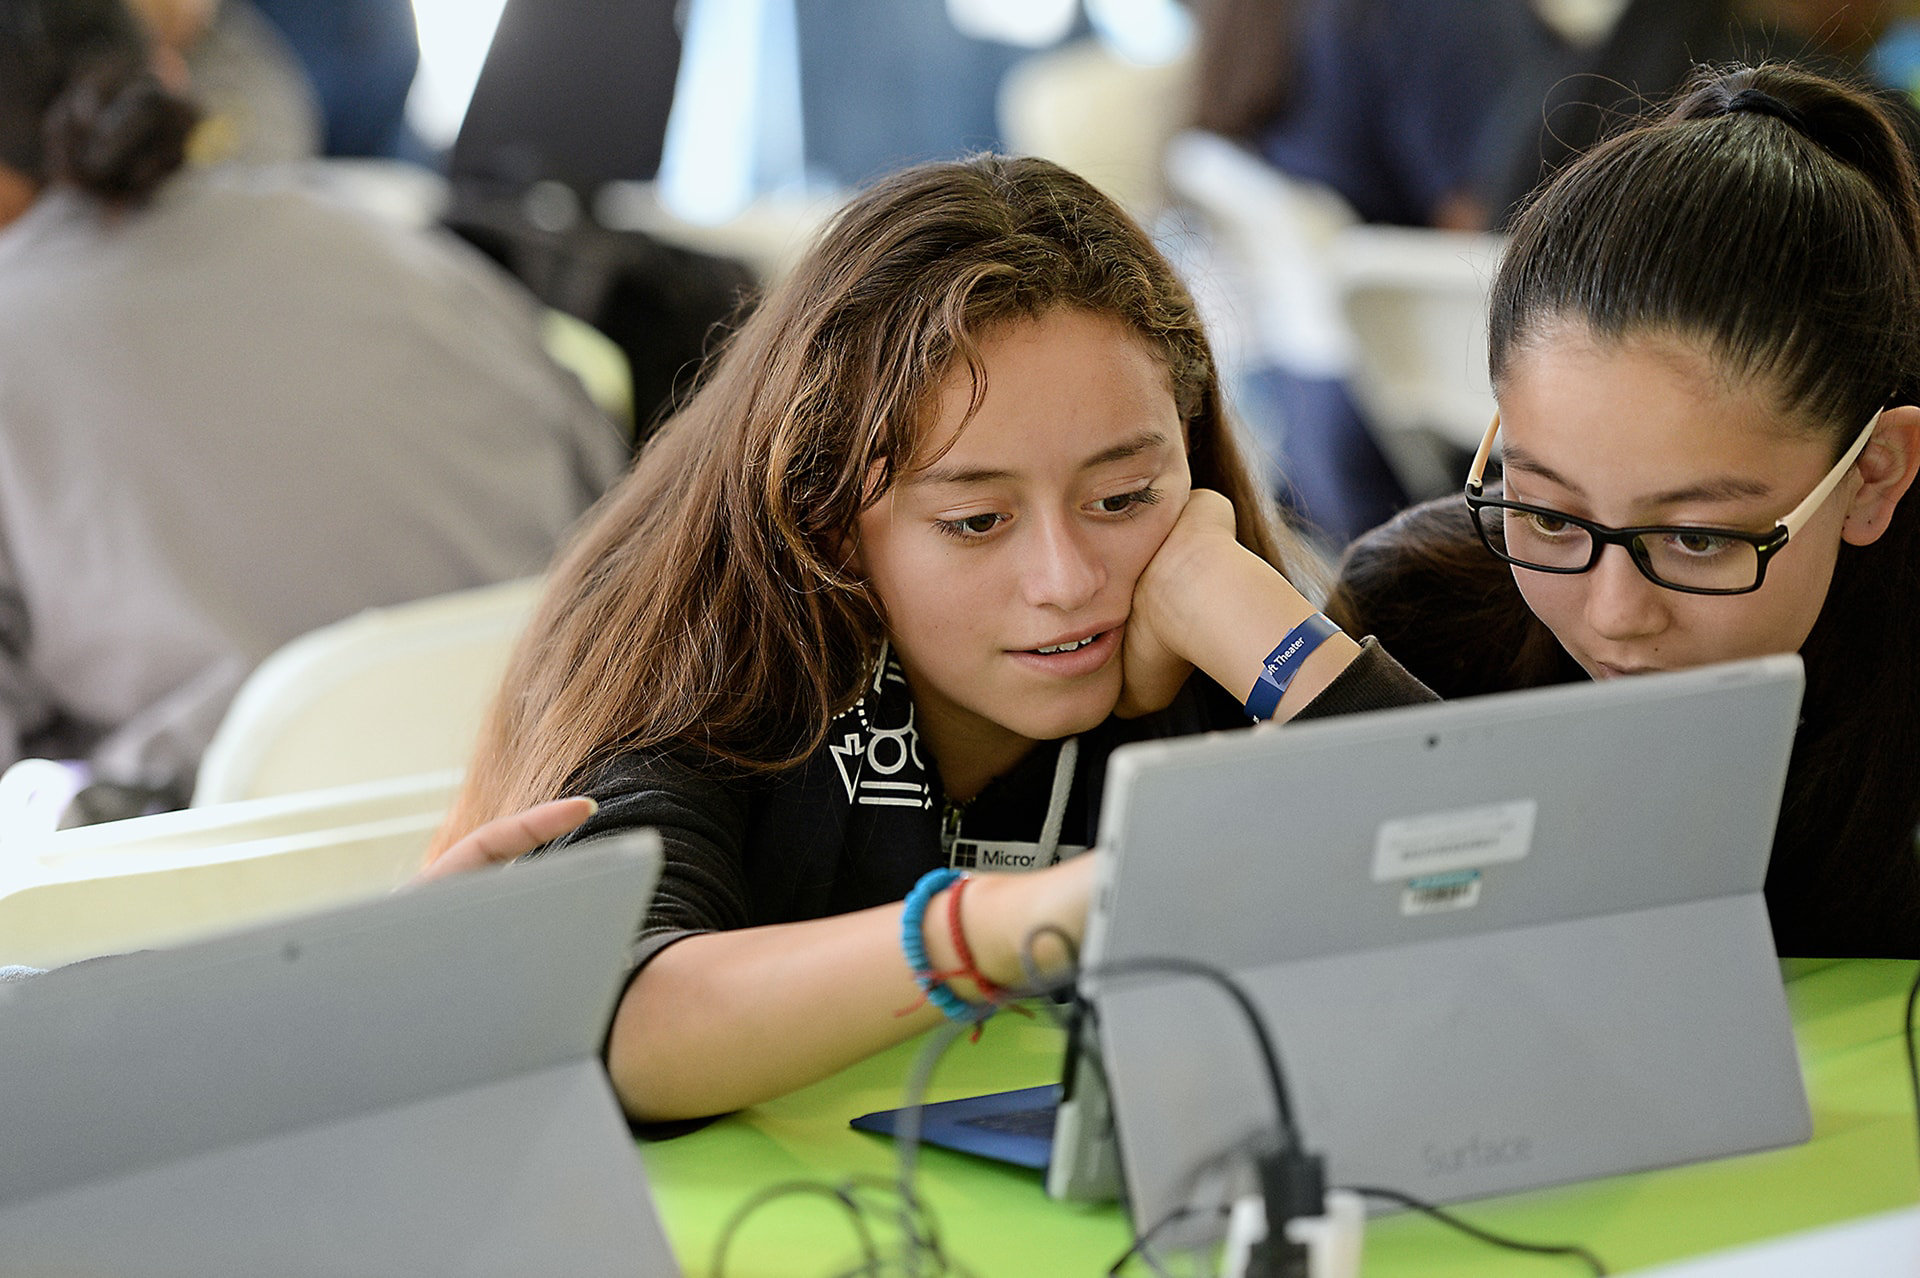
[(1294, 1227)]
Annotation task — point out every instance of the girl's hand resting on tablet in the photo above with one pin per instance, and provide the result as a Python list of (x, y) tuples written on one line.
[(509, 837)]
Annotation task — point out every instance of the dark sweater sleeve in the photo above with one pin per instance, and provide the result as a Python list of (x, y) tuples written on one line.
[(702, 825), (1374, 681)]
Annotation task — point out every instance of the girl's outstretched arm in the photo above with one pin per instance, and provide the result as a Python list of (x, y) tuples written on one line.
[(722, 1020), (726, 1019)]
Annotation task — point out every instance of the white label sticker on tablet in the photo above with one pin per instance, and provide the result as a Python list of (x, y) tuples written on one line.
[(1442, 842)]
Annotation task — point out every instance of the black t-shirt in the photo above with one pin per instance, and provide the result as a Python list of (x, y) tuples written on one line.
[(861, 820)]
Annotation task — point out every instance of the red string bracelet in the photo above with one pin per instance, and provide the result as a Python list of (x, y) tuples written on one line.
[(992, 994), (989, 992), (927, 978)]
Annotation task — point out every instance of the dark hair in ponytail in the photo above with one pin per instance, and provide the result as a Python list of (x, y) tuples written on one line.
[(80, 104), (1771, 218)]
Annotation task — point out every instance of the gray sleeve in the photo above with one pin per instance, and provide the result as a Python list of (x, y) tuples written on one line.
[(702, 826), (24, 706), (601, 449), (1374, 681)]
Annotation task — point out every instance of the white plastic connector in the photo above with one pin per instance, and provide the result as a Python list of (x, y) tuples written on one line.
[(1333, 1241), (1246, 1229)]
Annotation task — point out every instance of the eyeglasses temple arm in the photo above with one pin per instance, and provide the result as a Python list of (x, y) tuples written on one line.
[(1479, 469), (1797, 518)]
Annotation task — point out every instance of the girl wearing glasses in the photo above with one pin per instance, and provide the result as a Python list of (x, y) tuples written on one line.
[(956, 496), (1705, 355)]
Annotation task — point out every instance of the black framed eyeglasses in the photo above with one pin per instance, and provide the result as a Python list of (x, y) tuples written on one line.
[(1695, 559)]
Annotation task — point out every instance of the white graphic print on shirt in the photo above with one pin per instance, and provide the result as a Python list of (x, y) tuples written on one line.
[(880, 765)]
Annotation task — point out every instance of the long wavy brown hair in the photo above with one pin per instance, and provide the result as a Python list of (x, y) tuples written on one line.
[(707, 606)]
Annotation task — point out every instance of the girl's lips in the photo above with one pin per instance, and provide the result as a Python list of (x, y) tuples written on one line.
[(1608, 670), (1080, 661)]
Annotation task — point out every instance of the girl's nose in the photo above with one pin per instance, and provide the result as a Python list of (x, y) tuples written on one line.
[(1621, 603), (1062, 567)]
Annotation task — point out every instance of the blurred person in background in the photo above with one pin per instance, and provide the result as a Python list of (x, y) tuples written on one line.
[(230, 413), (888, 83), (1383, 102), (1446, 113), (256, 104), (1554, 109), (360, 57)]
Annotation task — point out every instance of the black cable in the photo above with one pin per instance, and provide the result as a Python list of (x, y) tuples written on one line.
[(1913, 1060), (1171, 966), (906, 1134), (1142, 1245), (1484, 1235), (920, 1238), (1291, 1141), (840, 1194), (919, 1225), (1256, 1023), (1291, 1172), (919, 1232), (1050, 986)]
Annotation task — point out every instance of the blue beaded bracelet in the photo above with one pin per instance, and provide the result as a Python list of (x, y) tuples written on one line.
[(1283, 663), (913, 943)]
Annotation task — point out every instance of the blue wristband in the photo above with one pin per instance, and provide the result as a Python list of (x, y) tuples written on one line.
[(1283, 663), (913, 943)]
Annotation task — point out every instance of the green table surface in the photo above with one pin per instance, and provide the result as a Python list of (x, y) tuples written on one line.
[(998, 1221)]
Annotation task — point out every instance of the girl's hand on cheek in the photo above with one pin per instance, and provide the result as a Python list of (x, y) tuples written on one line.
[(1166, 600)]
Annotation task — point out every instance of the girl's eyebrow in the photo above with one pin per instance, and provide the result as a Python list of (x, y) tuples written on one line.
[(1145, 441), (1513, 457), (1722, 488), (941, 473)]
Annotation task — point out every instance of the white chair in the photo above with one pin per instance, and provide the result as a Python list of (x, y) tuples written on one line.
[(33, 795), (1265, 282), (1293, 280), (1415, 302), (1093, 111), (390, 692), (157, 880)]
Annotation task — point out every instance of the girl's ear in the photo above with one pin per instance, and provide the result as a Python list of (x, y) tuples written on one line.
[(1887, 467)]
